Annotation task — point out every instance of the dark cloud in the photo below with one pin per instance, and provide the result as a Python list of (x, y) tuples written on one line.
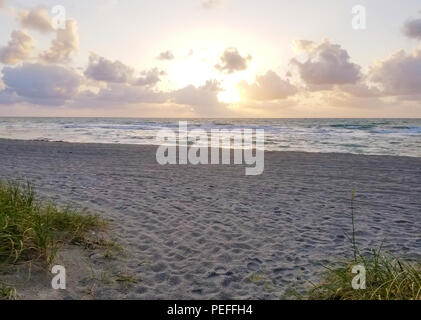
[(267, 87), (39, 84), (231, 61), (166, 55), (412, 28), (19, 48), (326, 64), (64, 45), (102, 69), (36, 19)]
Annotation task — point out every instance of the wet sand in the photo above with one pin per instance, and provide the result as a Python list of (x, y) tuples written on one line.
[(203, 231)]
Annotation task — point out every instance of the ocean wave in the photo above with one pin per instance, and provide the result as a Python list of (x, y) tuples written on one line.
[(391, 137), (353, 126)]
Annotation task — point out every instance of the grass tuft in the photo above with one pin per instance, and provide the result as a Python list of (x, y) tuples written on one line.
[(8, 293), (31, 230), (387, 277)]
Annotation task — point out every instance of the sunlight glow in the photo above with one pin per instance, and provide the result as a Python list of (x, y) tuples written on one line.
[(229, 95)]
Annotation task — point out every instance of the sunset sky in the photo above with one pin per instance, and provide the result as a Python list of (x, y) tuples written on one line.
[(210, 58)]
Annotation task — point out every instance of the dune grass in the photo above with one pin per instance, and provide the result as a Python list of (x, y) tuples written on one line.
[(387, 277), (7, 293), (32, 230)]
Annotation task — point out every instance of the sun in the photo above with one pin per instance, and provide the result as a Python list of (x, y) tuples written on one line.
[(195, 70), (229, 95)]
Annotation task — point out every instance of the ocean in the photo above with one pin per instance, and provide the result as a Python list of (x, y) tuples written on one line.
[(399, 137)]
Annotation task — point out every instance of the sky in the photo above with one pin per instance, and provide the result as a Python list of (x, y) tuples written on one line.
[(210, 58)]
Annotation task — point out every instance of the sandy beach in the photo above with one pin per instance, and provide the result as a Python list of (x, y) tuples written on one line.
[(206, 231)]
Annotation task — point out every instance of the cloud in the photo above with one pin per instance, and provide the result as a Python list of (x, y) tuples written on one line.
[(204, 99), (102, 69), (211, 4), (303, 45), (399, 75), (149, 78), (2, 3), (166, 55), (39, 84), (361, 90), (64, 45), (37, 19), (267, 87), (232, 61), (326, 64), (9, 97), (412, 28), (18, 49), (118, 93)]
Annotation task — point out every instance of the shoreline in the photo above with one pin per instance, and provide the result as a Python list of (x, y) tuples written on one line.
[(156, 146), (206, 231)]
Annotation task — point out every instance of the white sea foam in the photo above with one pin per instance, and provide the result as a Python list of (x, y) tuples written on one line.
[(362, 136)]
